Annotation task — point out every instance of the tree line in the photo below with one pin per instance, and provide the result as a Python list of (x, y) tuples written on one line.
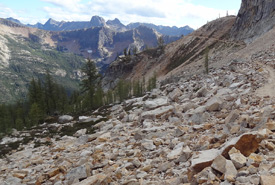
[(47, 98)]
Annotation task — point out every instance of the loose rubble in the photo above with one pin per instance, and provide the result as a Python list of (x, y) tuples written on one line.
[(209, 129)]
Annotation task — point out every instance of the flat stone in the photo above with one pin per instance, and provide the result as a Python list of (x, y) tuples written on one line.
[(157, 113), (165, 166), (203, 159), (149, 145), (267, 180), (219, 164), (202, 92), (238, 159), (78, 173), (175, 94), (175, 152), (104, 137), (98, 179), (158, 102), (232, 116), (213, 104), (185, 154), (19, 175)]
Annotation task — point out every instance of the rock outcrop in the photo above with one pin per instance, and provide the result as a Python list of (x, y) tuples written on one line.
[(255, 18)]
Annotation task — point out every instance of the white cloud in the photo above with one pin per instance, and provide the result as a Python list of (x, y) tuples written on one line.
[(6, 12), (161, 12)]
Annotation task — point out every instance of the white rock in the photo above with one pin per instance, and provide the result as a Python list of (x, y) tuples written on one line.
[(238, 159), (65, 119), (80, 132), (159, 102)]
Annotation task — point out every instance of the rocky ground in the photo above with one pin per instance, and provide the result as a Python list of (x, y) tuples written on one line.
[(204, 129)]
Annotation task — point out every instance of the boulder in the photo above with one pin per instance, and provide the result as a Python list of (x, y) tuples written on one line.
[(203, 159), (246, 143), (213, 104), (267, 180), (232, 116), (219, 164), (238, 159), (78, 173), (177, 150), (155, 103), (65, 119), (148, 145), (202, 92), (225, 167), (206, 175), (157, 113), (185, 154), (175, 94)]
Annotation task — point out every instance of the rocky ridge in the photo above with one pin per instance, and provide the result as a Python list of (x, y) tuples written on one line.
[(255, 18), (204, 129)]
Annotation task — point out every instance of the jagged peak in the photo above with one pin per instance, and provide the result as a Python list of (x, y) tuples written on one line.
[(52, 21)]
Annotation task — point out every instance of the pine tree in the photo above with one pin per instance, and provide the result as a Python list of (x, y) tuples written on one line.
[(35, 114), (90, 82)]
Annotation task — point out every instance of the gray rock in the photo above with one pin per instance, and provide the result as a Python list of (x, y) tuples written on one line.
[(255, 18), (202, 92), (232, 116), (213, 104), (78, 173), (175, 94), (159, 102), (148, 145), (165, 166), (65, 119)]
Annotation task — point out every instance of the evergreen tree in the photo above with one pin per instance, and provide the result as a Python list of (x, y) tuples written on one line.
[(90, 82), (35, 115)]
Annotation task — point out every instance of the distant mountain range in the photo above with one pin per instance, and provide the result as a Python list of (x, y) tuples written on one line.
[(27, 51), (96, 21)]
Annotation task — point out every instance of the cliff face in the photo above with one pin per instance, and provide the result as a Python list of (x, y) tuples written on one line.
[(254, 18)]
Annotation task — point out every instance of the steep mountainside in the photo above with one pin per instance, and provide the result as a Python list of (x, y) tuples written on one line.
[(104, 44), (226, 38), (187, 50), (28, 52), (254, 18)]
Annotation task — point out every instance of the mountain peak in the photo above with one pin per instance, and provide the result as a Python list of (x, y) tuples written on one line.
[(14, 20), (52, 22), (97, 21)]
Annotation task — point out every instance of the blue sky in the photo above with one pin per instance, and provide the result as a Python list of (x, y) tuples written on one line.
[(194, 13)]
